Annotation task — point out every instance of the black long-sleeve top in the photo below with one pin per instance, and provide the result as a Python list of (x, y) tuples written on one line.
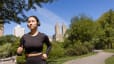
[(34, 44)]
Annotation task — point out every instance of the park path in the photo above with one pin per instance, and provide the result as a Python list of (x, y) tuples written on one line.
[(98, 58), (7, 62), (10, 60)]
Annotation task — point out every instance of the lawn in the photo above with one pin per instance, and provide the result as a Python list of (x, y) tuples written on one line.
[(64, 59), (111, 59)]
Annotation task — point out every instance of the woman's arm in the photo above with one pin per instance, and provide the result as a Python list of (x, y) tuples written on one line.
[(20, 48), (49, 46)]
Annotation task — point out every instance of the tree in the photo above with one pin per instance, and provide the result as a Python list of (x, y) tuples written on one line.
[(8, 39), (12, 10), (82, 28), (107, 24), (8, 44), (81, 32)]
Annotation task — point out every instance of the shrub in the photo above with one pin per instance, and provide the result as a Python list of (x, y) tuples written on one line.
[(57, 51), (77, 49), (89, 46), (5, 50), (20, 59)]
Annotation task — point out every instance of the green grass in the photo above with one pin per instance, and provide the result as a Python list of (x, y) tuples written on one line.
[(109, 50), (64, 59), (111, 59)]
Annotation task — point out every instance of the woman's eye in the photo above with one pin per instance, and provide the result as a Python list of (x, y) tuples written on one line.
[(33, 21)]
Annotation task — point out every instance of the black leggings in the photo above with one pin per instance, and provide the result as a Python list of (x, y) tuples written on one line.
[(35, 60)]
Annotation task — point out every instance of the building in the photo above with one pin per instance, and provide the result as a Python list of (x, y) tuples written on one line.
[(64, 29), (19, 31), (59, 32), (50, 38)]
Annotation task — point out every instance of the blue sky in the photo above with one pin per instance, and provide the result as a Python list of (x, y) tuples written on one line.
[(61, 11)]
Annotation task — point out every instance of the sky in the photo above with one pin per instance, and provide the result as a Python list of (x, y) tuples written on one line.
[(62, 11)]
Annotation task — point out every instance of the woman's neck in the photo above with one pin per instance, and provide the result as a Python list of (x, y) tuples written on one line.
[(34, 32)]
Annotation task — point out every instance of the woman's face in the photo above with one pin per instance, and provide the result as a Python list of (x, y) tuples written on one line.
[(32, 23)]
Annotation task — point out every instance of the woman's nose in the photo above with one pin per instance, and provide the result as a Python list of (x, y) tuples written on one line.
[(30, 23)]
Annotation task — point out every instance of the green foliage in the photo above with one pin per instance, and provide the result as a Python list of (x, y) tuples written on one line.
[(20, 59), (106, 22), (91, 34), (13, 10), (89, 46), (80, 35), (57, 50), (110, 60), (5, 50), (109, 50), (8, 44), (8, 39), (77, 49), (81, 28)]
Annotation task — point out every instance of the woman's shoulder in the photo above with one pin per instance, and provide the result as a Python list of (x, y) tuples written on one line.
[(25, 35), (43, 34)]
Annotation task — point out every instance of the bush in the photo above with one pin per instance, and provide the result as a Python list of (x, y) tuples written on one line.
[(20, 59), (77, 49), (8, 44), (5, 50), (89, 46), (57, 51)]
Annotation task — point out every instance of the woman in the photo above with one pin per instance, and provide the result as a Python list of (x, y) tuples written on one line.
[(32, 43)]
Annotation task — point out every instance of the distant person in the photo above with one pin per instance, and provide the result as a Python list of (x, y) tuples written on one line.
[(32, 43)]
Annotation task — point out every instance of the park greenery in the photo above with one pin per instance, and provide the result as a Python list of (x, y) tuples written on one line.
[(83, 36), (110, 60), (8, 46), (13, 10)]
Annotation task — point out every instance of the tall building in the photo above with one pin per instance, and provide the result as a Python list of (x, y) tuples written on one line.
[(59, 32), (57, 29), (58, 35), (64, 28), (1, 28), (19, 31)]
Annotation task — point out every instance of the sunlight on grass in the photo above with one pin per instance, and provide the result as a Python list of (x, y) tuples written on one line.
[(111, 59), (64, 59), (109, 50)]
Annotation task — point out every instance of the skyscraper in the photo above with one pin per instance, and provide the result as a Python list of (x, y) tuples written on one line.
[(59, 32), (57, 29), (19, 31), (64, 28)]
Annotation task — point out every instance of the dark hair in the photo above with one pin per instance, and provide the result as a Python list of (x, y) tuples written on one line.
[(35, 18)]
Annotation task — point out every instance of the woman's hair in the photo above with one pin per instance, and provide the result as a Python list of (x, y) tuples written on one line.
[(35, 18)]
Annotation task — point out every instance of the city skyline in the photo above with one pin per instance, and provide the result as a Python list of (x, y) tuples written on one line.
[(58, 35)]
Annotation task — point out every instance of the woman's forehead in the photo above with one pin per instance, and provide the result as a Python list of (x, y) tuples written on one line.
[(31, 18)]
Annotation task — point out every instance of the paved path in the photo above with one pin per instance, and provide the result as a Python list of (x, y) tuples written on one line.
[(7, 62), (10, 60), (99, 58)]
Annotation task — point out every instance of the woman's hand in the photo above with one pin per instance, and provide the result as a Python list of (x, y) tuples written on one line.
[(19, 50), (44, 56)]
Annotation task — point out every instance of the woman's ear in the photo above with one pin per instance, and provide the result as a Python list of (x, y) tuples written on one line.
[(38, 23)]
